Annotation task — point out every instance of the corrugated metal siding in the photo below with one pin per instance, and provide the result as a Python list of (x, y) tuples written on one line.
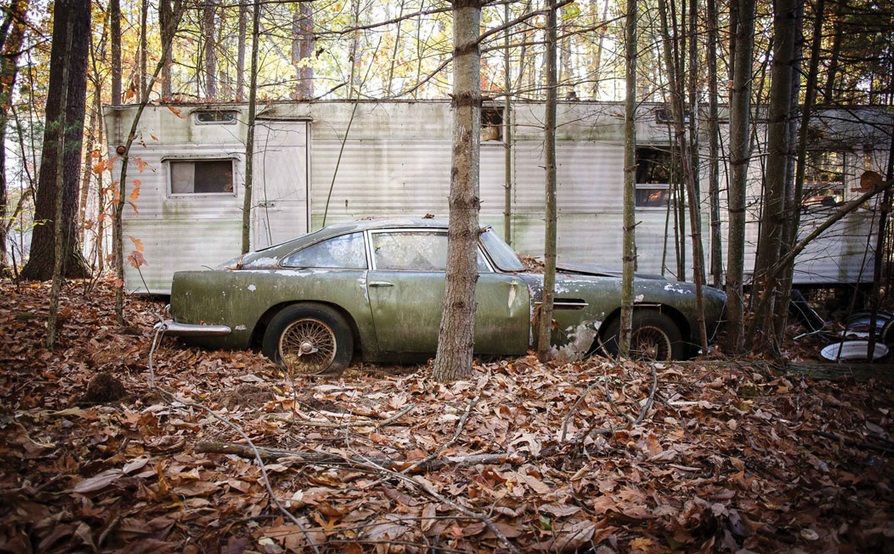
[(396, 162)]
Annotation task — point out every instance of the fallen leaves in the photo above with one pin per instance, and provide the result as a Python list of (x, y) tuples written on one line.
[(728, 456)]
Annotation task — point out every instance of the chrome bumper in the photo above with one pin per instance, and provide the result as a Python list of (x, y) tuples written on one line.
[(175, 329)]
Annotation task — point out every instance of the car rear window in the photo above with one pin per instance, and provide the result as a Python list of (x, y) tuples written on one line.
[(344, 252)]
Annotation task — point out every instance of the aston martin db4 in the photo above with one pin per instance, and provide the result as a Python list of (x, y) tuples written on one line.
[(373, 290)]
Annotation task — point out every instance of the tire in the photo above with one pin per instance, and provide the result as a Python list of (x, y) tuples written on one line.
[(661, 337), (314, 332)]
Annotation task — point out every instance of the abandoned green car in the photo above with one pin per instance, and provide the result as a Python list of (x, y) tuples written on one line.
[(374, 290)]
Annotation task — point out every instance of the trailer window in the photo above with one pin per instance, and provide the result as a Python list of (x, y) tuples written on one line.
[(202, 177), (491, 124), (653, 176), (216, 117), (823, 178)]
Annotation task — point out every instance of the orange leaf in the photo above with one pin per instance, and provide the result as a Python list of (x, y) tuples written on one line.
[(141, 164), (176, 111), (99, 167), (135, 193), (137, 243), (96, 153), (136, 259)]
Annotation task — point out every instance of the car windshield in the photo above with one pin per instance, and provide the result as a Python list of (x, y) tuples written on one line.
[(500, 253)]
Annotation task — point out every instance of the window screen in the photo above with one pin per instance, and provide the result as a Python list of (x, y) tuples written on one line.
[(344, 252), (823, 178), (414, 251), (202, 177), (216, 117)]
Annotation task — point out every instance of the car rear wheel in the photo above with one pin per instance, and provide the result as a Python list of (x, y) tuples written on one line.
[(309, 339), (655, 337)]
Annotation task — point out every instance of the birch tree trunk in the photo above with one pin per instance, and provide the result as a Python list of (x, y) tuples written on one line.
[(740, 154), (456, 337), (507, 132), (250, 140), (629, 254), (766, 284), (545, 315)]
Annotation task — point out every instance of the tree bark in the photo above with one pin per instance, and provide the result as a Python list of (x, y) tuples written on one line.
[(714, 147), (740, 154), (73, 55), (250, 139), (597, 57), (798, 164), (210, 52), (545, 315), (58, 225), (11, 35), (456, 337), (165, 12), (144, 46), (698, 258), (834, 55), (884, 210), (302, 50), (629, 254), (766, 284), (240, 51), (115, 21), (507, 132)]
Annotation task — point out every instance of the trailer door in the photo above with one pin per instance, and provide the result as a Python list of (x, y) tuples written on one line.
[(280, 189)]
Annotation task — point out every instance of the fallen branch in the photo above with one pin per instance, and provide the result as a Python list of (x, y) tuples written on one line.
[(325, 458), (332, 424)]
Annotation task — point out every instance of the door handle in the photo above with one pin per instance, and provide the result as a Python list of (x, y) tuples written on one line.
[(380, 284)]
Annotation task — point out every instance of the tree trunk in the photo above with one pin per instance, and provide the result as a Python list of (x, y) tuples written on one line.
[(303, 50), (144, 46), (74, 55), (773, 213), (11, 34), (164, 18), (714, 147), (688, 175), (210, 53), (740, 154), (629, 254), (115, 17), (58, 225), (545, 315), (798, 164), (456, 337), (834, 55), (250, 140), (884, 210), (86, 172), (507, 133), (597, 57), (240, 54)]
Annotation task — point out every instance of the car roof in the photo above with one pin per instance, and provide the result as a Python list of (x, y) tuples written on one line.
[(260, 257)]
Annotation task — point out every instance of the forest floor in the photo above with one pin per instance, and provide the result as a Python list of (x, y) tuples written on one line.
[(594, 456)]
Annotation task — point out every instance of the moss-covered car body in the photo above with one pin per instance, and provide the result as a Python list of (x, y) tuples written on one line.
[(395, 314)]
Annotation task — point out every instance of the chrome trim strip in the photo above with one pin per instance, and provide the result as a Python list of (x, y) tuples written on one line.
[(173, 328)]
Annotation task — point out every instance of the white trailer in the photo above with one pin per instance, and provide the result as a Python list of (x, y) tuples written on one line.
[(326, 162)]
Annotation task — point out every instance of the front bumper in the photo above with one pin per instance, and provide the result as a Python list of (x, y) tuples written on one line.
[(173, 328)]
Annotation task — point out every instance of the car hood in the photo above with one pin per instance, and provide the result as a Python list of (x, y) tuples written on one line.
[(596, 271)]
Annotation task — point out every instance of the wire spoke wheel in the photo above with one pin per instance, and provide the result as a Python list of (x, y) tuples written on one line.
[(650, 343), (307, 346)]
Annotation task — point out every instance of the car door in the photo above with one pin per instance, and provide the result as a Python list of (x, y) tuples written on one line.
[(406, 292)]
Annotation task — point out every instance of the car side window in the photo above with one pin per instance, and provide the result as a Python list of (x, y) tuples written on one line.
[(414, 251), (344, 252)]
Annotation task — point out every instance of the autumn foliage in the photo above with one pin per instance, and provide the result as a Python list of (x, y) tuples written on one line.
[(727, 456)]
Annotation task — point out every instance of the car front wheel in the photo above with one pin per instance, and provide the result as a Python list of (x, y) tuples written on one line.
[(655, 337), (309, 339)]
